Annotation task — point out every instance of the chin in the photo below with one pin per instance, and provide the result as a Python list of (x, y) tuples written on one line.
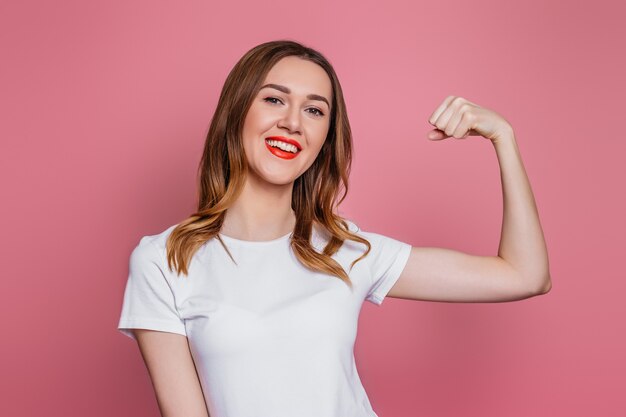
[(273, 178), (281, 181)]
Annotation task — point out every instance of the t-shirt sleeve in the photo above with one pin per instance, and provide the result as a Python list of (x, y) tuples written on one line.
[(148, 298), (387, 259)]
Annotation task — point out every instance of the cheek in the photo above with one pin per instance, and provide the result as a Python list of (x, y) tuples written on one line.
[(315, 144), (252, 120), (257, 117), (320, 136), (253, 128)]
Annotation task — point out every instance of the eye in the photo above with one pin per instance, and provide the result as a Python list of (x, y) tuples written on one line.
[(319, 112), (268, 99)]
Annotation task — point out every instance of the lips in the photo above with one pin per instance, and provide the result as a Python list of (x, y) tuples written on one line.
[(279, 152), (286, 140)]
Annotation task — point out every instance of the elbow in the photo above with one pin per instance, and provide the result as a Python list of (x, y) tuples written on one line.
[(532, 284), (544, 286)]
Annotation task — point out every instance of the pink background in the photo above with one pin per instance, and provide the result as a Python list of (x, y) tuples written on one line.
[(103, 112)]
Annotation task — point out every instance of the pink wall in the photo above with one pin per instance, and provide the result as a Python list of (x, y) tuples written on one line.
[(103, 111)]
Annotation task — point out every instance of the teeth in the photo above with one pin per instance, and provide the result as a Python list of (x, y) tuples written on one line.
[(282, 145)]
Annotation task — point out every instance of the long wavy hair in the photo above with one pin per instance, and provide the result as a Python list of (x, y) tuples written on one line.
[(223, 169)]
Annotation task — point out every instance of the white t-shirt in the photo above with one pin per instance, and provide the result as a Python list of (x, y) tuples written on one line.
[(269, 337)]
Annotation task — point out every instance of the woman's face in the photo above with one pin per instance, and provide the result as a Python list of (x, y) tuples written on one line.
[(296, 108)]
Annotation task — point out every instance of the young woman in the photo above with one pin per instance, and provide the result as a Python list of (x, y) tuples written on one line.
[(249, 307)]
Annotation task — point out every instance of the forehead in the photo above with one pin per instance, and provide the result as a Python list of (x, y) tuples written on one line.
[(301, 76)]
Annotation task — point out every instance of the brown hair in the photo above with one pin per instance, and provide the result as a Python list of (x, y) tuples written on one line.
[(223, 168)]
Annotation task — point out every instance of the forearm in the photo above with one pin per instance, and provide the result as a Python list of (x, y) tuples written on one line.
[(522, 243)]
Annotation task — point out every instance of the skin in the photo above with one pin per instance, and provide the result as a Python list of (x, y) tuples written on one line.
[(263, 210), (520, 269), (173, 373)]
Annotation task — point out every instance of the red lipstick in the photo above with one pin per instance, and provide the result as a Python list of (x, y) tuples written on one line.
[(286, 140), (279, 152)]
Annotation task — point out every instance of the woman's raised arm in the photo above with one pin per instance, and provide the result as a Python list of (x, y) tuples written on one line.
[(521, 267)]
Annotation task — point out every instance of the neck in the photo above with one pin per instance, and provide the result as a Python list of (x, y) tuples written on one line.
[(262, 212)]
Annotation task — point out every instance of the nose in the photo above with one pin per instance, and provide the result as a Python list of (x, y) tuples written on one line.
[(291, 120)]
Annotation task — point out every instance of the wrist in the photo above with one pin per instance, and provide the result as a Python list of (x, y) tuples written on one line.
[(505, 137)]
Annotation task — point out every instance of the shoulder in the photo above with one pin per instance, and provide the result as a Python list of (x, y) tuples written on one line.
[(357, 230), (320, 232), (352, 226), (368, 234), (152, 247), (158, 240), (382, 245)]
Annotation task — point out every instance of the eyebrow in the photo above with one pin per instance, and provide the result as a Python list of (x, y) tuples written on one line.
[(288, 91)]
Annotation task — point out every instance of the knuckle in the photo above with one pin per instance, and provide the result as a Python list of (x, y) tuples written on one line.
[(457, 100)]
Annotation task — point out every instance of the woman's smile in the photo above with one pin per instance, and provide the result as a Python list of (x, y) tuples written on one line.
[(282, 147), (284, 154)]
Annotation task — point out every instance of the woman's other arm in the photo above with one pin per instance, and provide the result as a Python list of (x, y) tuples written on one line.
[(173, 373), (521, 268)]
